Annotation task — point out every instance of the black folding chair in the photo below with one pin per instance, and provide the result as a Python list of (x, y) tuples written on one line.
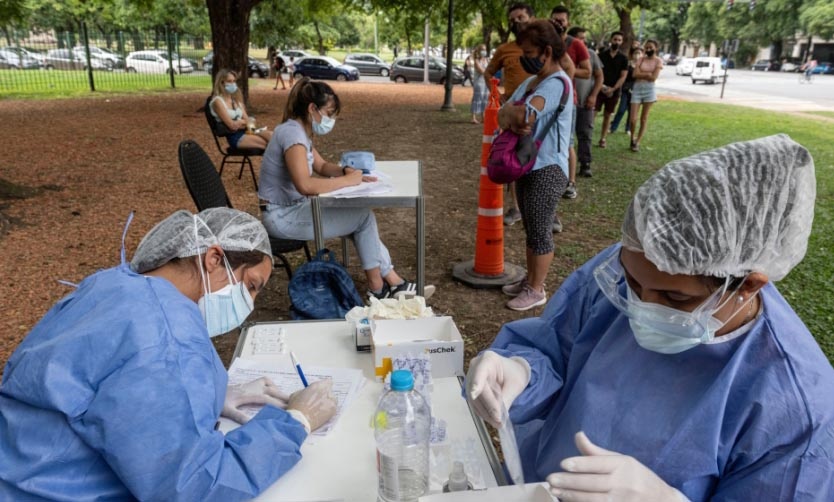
[(207, 190), (230, 154)]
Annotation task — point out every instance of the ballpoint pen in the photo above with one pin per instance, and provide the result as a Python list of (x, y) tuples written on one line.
[(298, 368)]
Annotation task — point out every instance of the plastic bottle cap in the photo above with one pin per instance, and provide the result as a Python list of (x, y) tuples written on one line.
[(457, 478), (402, 380)]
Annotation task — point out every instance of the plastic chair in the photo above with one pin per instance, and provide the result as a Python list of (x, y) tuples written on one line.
[(228, 151), (207, 190)]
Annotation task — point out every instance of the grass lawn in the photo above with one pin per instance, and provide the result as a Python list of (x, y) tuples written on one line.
[(15, 84), (824, 114), (678, 129)]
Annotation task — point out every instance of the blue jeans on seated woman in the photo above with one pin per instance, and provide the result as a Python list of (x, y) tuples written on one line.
[(296, 222)]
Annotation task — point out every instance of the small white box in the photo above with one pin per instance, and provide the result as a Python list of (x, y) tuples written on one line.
[(436, 336), (363, 335)]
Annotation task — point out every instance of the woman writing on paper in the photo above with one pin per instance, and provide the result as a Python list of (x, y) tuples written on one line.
[(115, 393), (689, 375), (292, 170)]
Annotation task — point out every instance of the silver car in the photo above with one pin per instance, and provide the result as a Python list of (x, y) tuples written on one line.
[(369, 64), (65, 59), (15, 61), (410, 69)]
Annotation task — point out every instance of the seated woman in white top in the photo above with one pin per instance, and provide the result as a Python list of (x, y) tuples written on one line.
[(287, 181), (227, 107)]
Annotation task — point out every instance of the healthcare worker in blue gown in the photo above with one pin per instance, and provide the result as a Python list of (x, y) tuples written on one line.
[(669, 367), (115, 393)]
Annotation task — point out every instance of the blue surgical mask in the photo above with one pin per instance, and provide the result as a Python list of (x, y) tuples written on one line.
[(324, 126), (230, 88), (227, 308), (655, 330), (657, 327)]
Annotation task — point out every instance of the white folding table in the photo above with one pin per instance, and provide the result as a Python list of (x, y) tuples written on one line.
[(342, 465)]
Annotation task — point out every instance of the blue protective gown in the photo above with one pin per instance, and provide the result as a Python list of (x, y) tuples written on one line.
[(751, 418), (114, 395)]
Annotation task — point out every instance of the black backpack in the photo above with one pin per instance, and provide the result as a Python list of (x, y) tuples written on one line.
[(322, 289)]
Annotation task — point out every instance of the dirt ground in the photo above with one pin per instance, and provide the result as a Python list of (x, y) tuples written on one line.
[(97, 159)]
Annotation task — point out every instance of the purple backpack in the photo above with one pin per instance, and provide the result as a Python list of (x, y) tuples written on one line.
[(512, 156)]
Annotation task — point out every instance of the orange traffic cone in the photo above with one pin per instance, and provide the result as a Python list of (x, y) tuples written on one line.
[(488, 268)]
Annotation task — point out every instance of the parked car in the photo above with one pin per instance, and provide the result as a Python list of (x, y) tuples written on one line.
[(324, 67), (410, 69), (826, 68), (155, 62), (707, 70), (254, 66), (22, 51), (109, 59), (670, 59), (765, 65), (370, 64), (65, 59), (684, 67), (12, 60)]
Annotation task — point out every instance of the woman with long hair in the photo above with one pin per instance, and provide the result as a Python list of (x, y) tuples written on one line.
[(643, 93), (292, 170), (480, 92), (227, 108)]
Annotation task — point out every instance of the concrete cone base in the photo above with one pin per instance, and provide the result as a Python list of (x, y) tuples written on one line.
[(464, 272)]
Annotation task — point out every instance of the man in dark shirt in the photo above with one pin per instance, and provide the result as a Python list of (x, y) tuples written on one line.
[(614, 70)]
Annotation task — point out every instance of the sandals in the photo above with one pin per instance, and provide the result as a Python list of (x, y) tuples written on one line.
[(635, 146), (602, 143)]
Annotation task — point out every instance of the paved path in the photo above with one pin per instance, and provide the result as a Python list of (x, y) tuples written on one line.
[(765, 90)]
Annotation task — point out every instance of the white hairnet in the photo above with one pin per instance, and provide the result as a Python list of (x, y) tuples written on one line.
[(184, 234), (738, 209)]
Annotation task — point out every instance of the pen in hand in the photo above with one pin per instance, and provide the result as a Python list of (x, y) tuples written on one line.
[(298, 368)]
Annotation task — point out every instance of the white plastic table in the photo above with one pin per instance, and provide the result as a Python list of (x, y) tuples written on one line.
[(406, 176), (342, 465)]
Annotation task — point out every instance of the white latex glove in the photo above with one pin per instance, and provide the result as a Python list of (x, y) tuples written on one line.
[(601, 474), (316, 403), (492, 379), (260, 391)]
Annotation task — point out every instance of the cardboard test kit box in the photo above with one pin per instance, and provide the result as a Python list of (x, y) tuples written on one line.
[(438, 337)]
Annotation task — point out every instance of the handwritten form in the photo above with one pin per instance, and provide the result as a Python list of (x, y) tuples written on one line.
[(347, 382), (365, 189)]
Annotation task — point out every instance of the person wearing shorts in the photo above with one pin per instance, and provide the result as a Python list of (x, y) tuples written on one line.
[(614, 71), (643, 93)]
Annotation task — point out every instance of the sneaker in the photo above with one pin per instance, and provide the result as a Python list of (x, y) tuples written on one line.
[(408, 289), (513, 289), (385, 292), (512, 216), (585, 171), (527, 299), (557, 224), (570, 191)]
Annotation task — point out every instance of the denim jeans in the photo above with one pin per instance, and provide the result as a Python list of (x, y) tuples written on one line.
[(623, 109), (296, 222)]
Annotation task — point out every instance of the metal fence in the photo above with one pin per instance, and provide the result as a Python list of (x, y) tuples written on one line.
[(52, 62)]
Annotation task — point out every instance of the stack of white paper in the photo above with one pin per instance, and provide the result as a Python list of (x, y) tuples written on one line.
[(365, 189), (347, 382)]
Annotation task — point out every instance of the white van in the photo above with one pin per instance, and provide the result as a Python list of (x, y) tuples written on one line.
[(707, 70)]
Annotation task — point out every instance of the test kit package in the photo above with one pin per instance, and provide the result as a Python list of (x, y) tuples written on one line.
[(438, 337)]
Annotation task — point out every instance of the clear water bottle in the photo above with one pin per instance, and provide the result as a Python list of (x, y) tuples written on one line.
[(402, 427)]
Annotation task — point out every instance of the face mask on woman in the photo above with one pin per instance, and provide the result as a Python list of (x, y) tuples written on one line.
[(231, 88), (649, 53), (324, 126), (483, 54), (227, 308), (532, 65)]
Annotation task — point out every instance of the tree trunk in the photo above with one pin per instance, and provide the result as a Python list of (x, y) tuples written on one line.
[(676, 43), (624, 14), (229, 21), (408, 36), (199, 43), (319, 38), (270, 57), (486, 36), (776, 49), (138, 41)]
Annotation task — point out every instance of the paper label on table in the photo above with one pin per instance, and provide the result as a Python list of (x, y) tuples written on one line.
[(268, 340), (534, 492), (347, 382)]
